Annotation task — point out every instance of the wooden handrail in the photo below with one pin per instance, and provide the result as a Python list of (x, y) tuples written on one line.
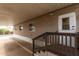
[(55, 33)]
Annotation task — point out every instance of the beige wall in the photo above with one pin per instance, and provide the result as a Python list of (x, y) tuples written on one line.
[(46, 23), (77, 18)]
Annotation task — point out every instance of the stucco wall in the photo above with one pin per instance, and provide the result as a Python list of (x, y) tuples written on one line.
[(46, 23)]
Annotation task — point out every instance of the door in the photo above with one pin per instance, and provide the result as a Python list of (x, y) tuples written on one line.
[(67, 23)]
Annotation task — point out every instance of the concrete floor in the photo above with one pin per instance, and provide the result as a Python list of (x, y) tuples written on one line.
[(9, 47)]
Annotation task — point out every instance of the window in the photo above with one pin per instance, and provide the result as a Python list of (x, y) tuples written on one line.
[(65, 23)]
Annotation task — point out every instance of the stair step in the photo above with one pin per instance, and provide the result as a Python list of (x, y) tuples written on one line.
[(46, 53)]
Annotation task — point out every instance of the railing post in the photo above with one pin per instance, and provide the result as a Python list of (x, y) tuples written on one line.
[(33, 47)]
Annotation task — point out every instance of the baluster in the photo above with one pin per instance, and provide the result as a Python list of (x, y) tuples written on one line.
[(76, 44), (58, 39), (66, 50), (58, 43), (46, 37), (70, 45), (62, 44), (52, 42), (70, 41), (54, 38), (62, 39), (49, 39), (66, 39)]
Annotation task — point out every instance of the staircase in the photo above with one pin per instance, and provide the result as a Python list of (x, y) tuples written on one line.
[(52, 44)]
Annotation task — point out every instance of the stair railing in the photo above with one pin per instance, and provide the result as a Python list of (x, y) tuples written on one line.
[(59, 43)]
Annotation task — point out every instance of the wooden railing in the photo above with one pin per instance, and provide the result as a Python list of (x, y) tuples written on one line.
[(58, 43)]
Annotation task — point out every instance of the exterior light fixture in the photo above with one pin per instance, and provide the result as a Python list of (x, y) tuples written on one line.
[(20, 27), (32, 27)]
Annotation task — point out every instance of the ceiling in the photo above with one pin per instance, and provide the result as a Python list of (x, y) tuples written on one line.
[(13, 13)]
